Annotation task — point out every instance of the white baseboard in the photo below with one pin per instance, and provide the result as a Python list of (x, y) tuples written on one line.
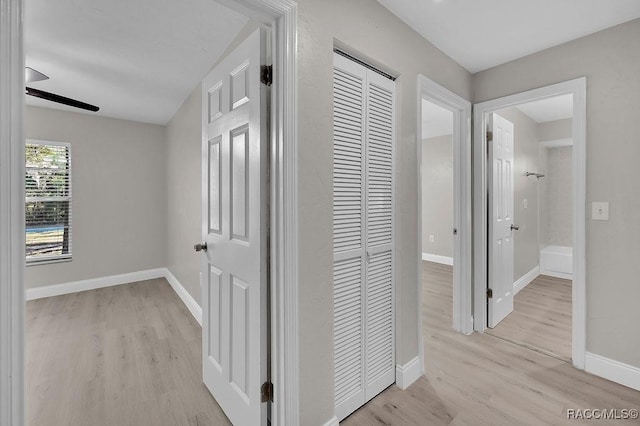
[(408, 373), (436, 258), (93, 283), (613, 370), (556, 274), (526, 279), (112, 280), (332, 422), (184, 295)]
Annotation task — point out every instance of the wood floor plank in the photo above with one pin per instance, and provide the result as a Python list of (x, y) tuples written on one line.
[(541, 318), (130, 355), (124, 355), (487, 380)]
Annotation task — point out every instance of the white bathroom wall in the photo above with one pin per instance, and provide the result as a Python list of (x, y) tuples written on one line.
[(558, 214)]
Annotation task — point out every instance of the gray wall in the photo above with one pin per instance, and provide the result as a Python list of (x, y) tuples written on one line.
[(526, 251), (558, 181), (611, 61), (184, 193), (557, 129), (437, 195), (118, 174), (184, 183), (371, 29)]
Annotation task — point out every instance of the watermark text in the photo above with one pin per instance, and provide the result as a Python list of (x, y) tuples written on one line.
[(602, 413)]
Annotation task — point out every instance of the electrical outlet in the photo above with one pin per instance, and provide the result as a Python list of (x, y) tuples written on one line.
[(432, 239), (525, 203), (600, 210)]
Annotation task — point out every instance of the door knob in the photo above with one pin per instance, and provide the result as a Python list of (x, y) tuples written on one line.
[(201, 247), (515, 227)]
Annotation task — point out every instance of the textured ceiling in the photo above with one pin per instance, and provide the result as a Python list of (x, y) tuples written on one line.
[(550, 109), (137, 60), (482, 34)]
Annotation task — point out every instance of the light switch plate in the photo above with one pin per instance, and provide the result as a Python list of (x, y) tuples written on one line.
[(600, 210)]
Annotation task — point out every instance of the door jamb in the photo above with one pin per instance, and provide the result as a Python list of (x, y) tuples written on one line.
[(462, 289), (12, 248), (578, 88), (282, 16)]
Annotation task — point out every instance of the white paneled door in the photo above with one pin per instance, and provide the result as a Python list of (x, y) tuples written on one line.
[(234, 228), (501, 226), (363, 138)]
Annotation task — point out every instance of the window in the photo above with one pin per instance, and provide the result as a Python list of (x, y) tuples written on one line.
[(48, 201)]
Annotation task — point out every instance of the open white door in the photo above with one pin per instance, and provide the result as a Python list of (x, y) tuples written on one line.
[(234, 229), (500, 182)]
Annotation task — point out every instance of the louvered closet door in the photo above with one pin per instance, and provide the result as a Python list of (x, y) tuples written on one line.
[(362, 238), (379, 337), (349, 98)]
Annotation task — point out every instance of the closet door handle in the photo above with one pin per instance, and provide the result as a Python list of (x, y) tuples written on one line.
[(515, 227)]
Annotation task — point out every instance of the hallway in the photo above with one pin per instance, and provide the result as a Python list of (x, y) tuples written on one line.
[(484, 380)]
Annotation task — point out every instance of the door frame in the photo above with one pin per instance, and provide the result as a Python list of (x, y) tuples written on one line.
[(431, 91), (577, 88), (281, 16), (12, 248)]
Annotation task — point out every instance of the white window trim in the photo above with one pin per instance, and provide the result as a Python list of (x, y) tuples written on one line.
[(45, 260)]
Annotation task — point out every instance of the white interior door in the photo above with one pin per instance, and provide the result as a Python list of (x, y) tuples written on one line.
[(500, 176), (234, 228)]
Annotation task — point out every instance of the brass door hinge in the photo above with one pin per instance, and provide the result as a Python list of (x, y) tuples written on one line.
[(489, 136), (490, 293), (266, 391)]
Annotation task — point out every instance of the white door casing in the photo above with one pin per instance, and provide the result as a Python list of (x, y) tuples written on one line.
[(234, 228), (364, 352), (282, 14), (500, 176), (433, 92)]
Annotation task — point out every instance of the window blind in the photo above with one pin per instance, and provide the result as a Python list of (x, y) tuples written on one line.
[(48, 201)]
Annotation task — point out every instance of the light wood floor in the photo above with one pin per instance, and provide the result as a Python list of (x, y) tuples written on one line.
[(124, 355), (485, 380), (541, 318)]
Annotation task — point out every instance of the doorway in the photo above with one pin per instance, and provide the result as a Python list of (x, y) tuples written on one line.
[(280, 16), (539, 229), (532, 206), (445, 116)]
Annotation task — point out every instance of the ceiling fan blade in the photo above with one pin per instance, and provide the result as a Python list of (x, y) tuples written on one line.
[(31, 75), (60, 99)]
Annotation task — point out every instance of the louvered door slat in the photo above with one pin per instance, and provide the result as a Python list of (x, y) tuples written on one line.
[(348, 236), (380, 362), (362, 234)]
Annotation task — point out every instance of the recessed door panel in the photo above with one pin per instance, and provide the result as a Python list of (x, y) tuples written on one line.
[(240, 346), (216, 308), (215, 179), (239, 183)]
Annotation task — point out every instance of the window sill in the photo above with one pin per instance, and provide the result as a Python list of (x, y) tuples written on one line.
[(38, 262)]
